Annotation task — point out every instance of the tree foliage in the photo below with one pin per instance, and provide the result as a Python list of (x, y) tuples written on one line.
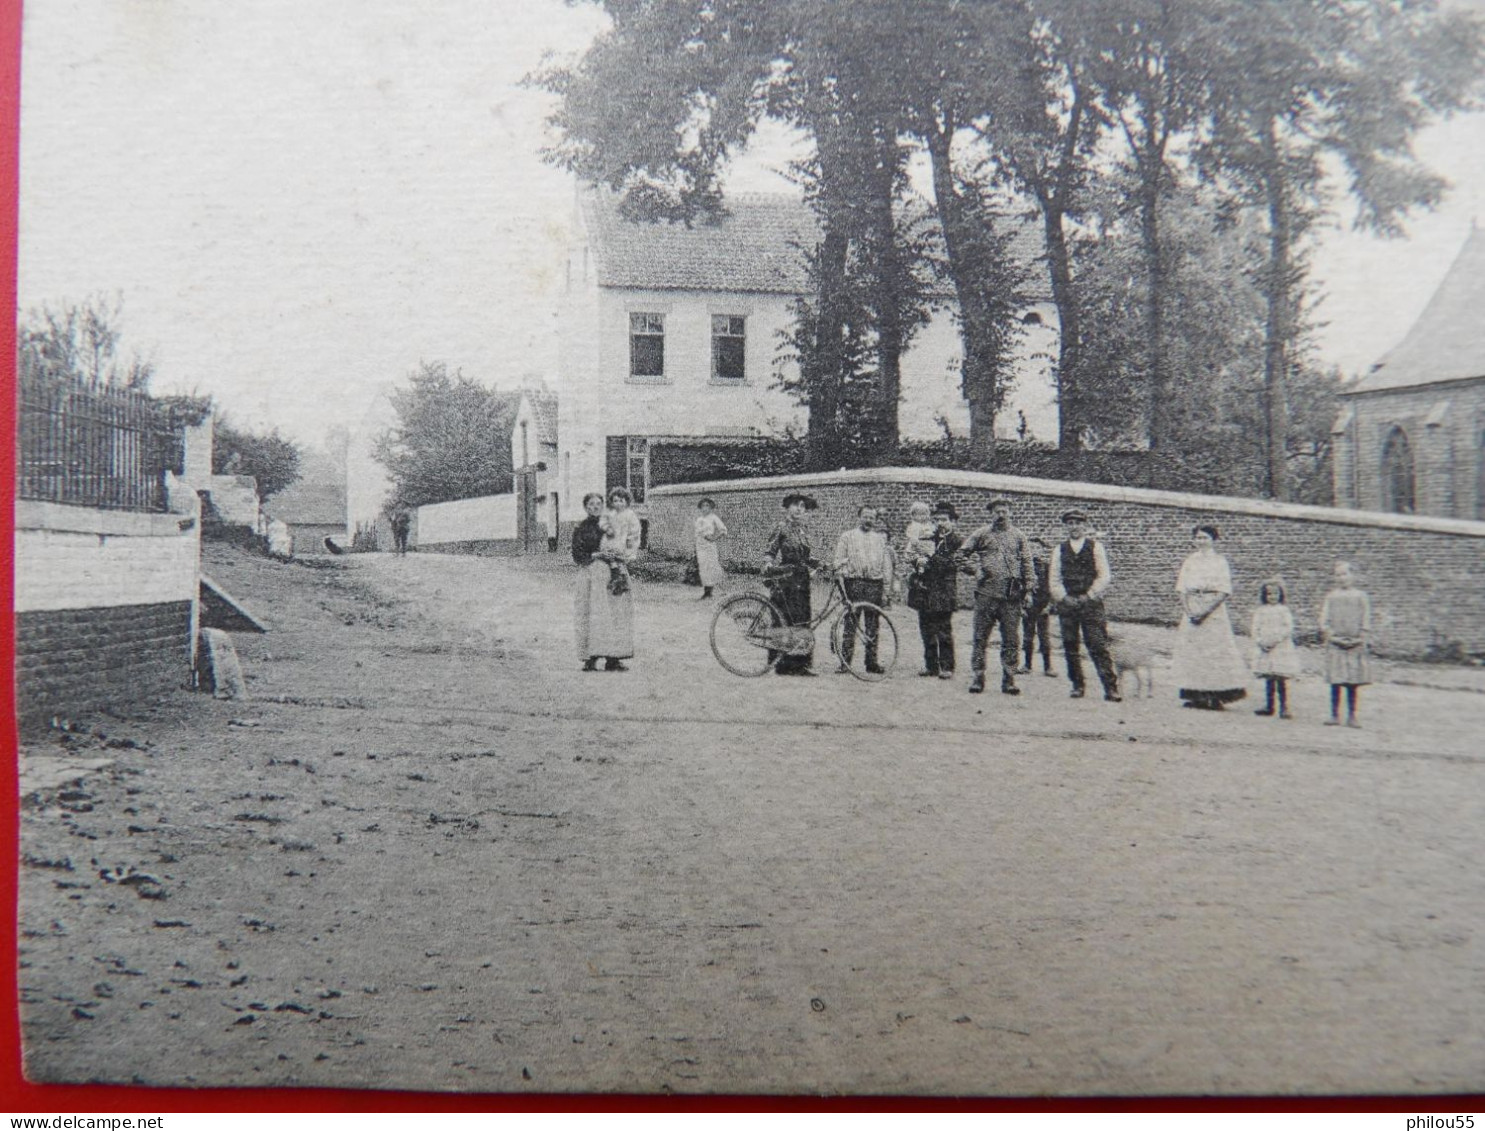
[(80, 343), (451, 440), (270, 458), (1251, 117)]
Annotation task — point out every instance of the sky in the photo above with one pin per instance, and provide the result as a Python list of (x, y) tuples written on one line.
[(300, 200)]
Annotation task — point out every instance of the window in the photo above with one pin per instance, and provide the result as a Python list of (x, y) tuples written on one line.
[(729, 341), (1397, 473), (637, 467), (1480, 477), (647, 345)]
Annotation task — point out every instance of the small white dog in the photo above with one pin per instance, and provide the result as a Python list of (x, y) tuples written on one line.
[(1136, 661)]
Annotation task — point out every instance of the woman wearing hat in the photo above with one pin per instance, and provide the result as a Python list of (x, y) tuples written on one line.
[(934, 592), (789, 557), (1206, 664)]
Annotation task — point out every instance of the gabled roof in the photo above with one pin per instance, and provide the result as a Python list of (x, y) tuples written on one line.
[(758, 246), (544, 412), (316, 504), (1447, 343)]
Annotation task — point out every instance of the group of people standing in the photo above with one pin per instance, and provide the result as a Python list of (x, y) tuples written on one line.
[(1020, 583), (1209, 668), (1016, 591)]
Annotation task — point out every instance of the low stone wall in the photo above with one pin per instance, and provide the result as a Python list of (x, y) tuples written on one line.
[(1423, 574), (105, 604)]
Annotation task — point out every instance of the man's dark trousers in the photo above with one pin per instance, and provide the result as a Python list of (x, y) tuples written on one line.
[(862, 589), (937, 631), (1089, 619), (992, 609)]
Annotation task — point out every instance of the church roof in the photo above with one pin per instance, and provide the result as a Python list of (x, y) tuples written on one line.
[(1447, 343), (757, 246)]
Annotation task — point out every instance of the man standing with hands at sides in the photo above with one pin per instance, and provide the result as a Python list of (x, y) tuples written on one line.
[(865, 561), (1006, 581), (1078, 578)]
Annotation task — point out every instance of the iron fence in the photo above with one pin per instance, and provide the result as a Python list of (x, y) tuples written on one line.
[(96, 447)]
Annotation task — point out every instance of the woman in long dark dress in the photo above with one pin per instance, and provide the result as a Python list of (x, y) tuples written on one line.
[(789, 558), (603, 619)]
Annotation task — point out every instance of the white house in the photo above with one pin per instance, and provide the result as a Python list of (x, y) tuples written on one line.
[(672, 331)]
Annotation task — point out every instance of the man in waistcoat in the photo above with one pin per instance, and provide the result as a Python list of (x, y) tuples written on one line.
[(1004, 583), (1079, 576)]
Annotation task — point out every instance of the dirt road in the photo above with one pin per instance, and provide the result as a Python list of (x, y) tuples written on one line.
[(430, 853)]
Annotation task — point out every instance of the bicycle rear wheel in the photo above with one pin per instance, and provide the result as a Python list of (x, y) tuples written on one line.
[(740, 634), (873, 651)]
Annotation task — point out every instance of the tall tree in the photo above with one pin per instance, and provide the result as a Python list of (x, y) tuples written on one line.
[(1147, 65), (451, 440), (660, 100), (1295, 83)]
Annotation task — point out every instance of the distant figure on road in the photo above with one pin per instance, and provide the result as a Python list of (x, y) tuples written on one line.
[(401, 524), (708, 563), (1345, 625), (933, 590), (788, 557), (1206, 664), (1077, 577), (604, 620)]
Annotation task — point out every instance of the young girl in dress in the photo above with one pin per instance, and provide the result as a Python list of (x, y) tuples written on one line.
[(1345, 624), (1275, 659)]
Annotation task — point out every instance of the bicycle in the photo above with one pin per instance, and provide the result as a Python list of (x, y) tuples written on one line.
[(749, 634)]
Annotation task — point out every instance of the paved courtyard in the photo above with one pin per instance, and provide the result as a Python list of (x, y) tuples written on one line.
[(429, 852)]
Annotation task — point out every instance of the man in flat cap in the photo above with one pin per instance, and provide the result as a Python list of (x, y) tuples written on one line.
[(1005, 580), (1079, 576)]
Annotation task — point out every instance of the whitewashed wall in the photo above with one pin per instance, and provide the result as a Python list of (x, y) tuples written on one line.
[(491, 518)]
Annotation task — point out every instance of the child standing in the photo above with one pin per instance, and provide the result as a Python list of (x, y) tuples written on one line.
[(1345, 624), (1036, 620), (1275, 659)]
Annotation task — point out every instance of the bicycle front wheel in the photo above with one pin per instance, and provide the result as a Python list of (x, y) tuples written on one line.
[(741, 632), (865, 640)]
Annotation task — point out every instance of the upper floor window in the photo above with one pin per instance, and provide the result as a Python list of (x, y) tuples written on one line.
[(729, 342), (1397, 473), (647, 345)]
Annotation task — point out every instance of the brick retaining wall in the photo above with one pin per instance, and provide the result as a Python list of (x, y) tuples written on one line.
[(104, 606), (1424, 575), (68, 661)]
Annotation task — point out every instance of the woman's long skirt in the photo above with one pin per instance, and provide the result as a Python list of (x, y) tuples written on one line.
[(1207, 665), (604, 623), (709, 563)]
